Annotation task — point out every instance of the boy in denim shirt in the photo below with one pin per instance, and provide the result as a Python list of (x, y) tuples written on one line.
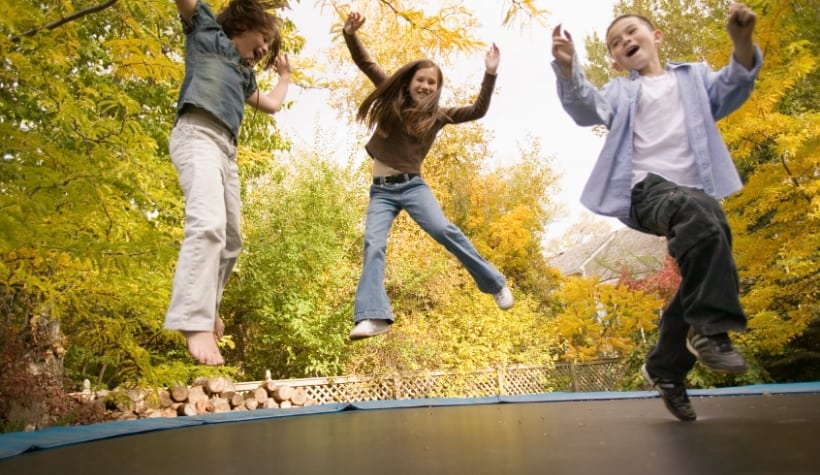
[(220, 55), (662, 170)]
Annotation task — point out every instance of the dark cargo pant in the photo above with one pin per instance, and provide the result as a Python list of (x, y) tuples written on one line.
[(700, 241)]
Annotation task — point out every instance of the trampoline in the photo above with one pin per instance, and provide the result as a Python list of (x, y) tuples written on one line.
[(765, 429)]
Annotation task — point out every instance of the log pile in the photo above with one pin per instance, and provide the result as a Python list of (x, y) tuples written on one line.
[(204, 396)]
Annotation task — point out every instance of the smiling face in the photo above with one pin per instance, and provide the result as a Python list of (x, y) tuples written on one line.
[(252, 46), (633, 44), (425, 82)]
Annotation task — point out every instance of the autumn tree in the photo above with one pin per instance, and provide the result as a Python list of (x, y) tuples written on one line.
[(775, 138), (598, 321), (663, 283)]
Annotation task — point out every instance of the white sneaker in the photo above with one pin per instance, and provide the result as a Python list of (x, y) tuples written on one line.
[(504, 299), (368, 328)]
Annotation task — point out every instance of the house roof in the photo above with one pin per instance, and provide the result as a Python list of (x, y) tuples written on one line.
[(605, 256)]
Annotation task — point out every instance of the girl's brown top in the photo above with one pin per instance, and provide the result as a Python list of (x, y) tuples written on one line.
[(400, 150)]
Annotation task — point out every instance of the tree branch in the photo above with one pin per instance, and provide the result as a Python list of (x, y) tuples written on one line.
[(64, 20), (783, 157)]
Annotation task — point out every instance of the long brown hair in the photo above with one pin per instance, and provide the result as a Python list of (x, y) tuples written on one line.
[(390, 107), (252, 15)]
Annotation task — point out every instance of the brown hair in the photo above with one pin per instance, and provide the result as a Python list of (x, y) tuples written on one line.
[(251, 15), (389, 106)]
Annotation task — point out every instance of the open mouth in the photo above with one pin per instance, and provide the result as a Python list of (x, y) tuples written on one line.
[(632, 50)]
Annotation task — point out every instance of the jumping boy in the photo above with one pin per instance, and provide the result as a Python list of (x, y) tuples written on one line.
[(662, 170)]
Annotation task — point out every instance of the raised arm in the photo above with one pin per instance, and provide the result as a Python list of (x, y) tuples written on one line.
[(563, 50), (357, 50), (479, 108), (186, 9), (273, 100), (741, 25)]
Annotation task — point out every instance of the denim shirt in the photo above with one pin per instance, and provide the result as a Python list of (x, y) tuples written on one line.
[(706, 95), (216, 79)]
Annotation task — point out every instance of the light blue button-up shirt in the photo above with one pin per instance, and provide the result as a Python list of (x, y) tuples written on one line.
[(706, 95), (216, 78)]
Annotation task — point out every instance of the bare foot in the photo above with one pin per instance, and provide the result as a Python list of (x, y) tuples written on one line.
[(202, 346), (219, 328)]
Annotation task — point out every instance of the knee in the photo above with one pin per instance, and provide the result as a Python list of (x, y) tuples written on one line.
[(704, 214), (441, 231), (374, 246), (213, 230)]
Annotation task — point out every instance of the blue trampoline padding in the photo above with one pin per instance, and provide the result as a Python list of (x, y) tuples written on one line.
[(15, 443), (425, 402)]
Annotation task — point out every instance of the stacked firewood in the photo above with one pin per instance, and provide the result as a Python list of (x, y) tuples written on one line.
[(205, 396), (219, 395)]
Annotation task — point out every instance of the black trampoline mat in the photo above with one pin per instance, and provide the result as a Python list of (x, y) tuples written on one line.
[(774, 434)]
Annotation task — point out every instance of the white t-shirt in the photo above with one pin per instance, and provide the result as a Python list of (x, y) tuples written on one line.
[(661, 143)]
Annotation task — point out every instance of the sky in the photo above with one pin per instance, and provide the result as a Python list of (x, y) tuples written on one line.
[(525, 103)]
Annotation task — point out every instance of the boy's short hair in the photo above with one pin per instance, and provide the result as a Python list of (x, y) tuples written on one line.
[(629, 15), (642, 18)]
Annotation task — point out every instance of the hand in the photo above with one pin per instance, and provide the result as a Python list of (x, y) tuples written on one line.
[(354, 21), (741, 24), (563, 50), (492, 59), (282, 66)]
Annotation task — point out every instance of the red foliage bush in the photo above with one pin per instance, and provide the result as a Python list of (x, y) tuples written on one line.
[(30, 399)]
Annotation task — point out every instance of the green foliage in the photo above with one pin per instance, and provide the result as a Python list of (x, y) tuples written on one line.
[(288, 305)]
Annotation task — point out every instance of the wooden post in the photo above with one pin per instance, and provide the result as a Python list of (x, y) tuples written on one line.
[(573, 376)]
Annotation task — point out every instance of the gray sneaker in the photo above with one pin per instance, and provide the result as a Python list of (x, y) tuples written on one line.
[(673, 394), (368, 328), (504, 299), (715, 352)]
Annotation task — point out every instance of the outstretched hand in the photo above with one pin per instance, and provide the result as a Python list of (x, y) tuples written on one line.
[(492, 59), (354, 21), (563, 50)]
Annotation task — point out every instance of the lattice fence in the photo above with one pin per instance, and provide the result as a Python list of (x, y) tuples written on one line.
[(594, 376)]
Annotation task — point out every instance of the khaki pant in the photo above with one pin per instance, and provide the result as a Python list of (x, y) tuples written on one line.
[(204, 154)]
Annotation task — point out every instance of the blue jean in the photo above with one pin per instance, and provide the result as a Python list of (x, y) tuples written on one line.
[(204, 154), (414, 196), (700, 241)]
